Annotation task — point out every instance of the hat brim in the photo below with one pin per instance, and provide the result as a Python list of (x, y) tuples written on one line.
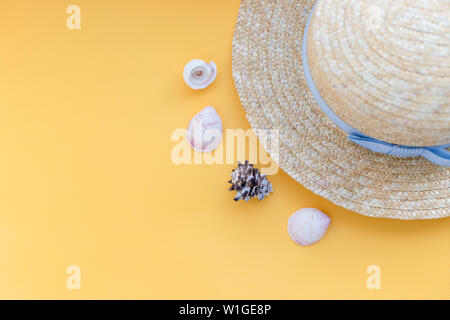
[(269, 78)]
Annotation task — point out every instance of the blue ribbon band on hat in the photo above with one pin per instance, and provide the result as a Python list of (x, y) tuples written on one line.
[(437, 155)]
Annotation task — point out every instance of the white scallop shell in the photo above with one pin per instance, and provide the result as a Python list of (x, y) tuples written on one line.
[(205, 131), (307, 226), (198, 74)]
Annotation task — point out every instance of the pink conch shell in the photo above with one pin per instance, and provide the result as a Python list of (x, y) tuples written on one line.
[(198, 74), (205, 130), (307, 226)]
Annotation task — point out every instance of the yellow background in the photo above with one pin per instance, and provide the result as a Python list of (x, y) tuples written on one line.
[(86, 176)]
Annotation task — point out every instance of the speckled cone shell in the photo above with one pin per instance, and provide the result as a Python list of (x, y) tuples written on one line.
[(205, 131), (364, 56), (307, 226)]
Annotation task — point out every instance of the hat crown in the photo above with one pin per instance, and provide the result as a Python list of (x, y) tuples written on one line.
[(384, 67)]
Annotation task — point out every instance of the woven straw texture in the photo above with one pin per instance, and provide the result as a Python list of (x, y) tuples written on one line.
[(384, 67), (268, 73)]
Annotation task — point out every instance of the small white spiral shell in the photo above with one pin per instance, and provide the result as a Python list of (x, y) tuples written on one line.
[(198, 74)]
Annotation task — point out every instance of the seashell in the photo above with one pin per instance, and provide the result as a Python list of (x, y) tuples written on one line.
[(205, 131), (198, 74), (249, 182), (307, 226)]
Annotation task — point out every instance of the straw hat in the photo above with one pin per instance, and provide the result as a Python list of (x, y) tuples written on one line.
[(360, 94)]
